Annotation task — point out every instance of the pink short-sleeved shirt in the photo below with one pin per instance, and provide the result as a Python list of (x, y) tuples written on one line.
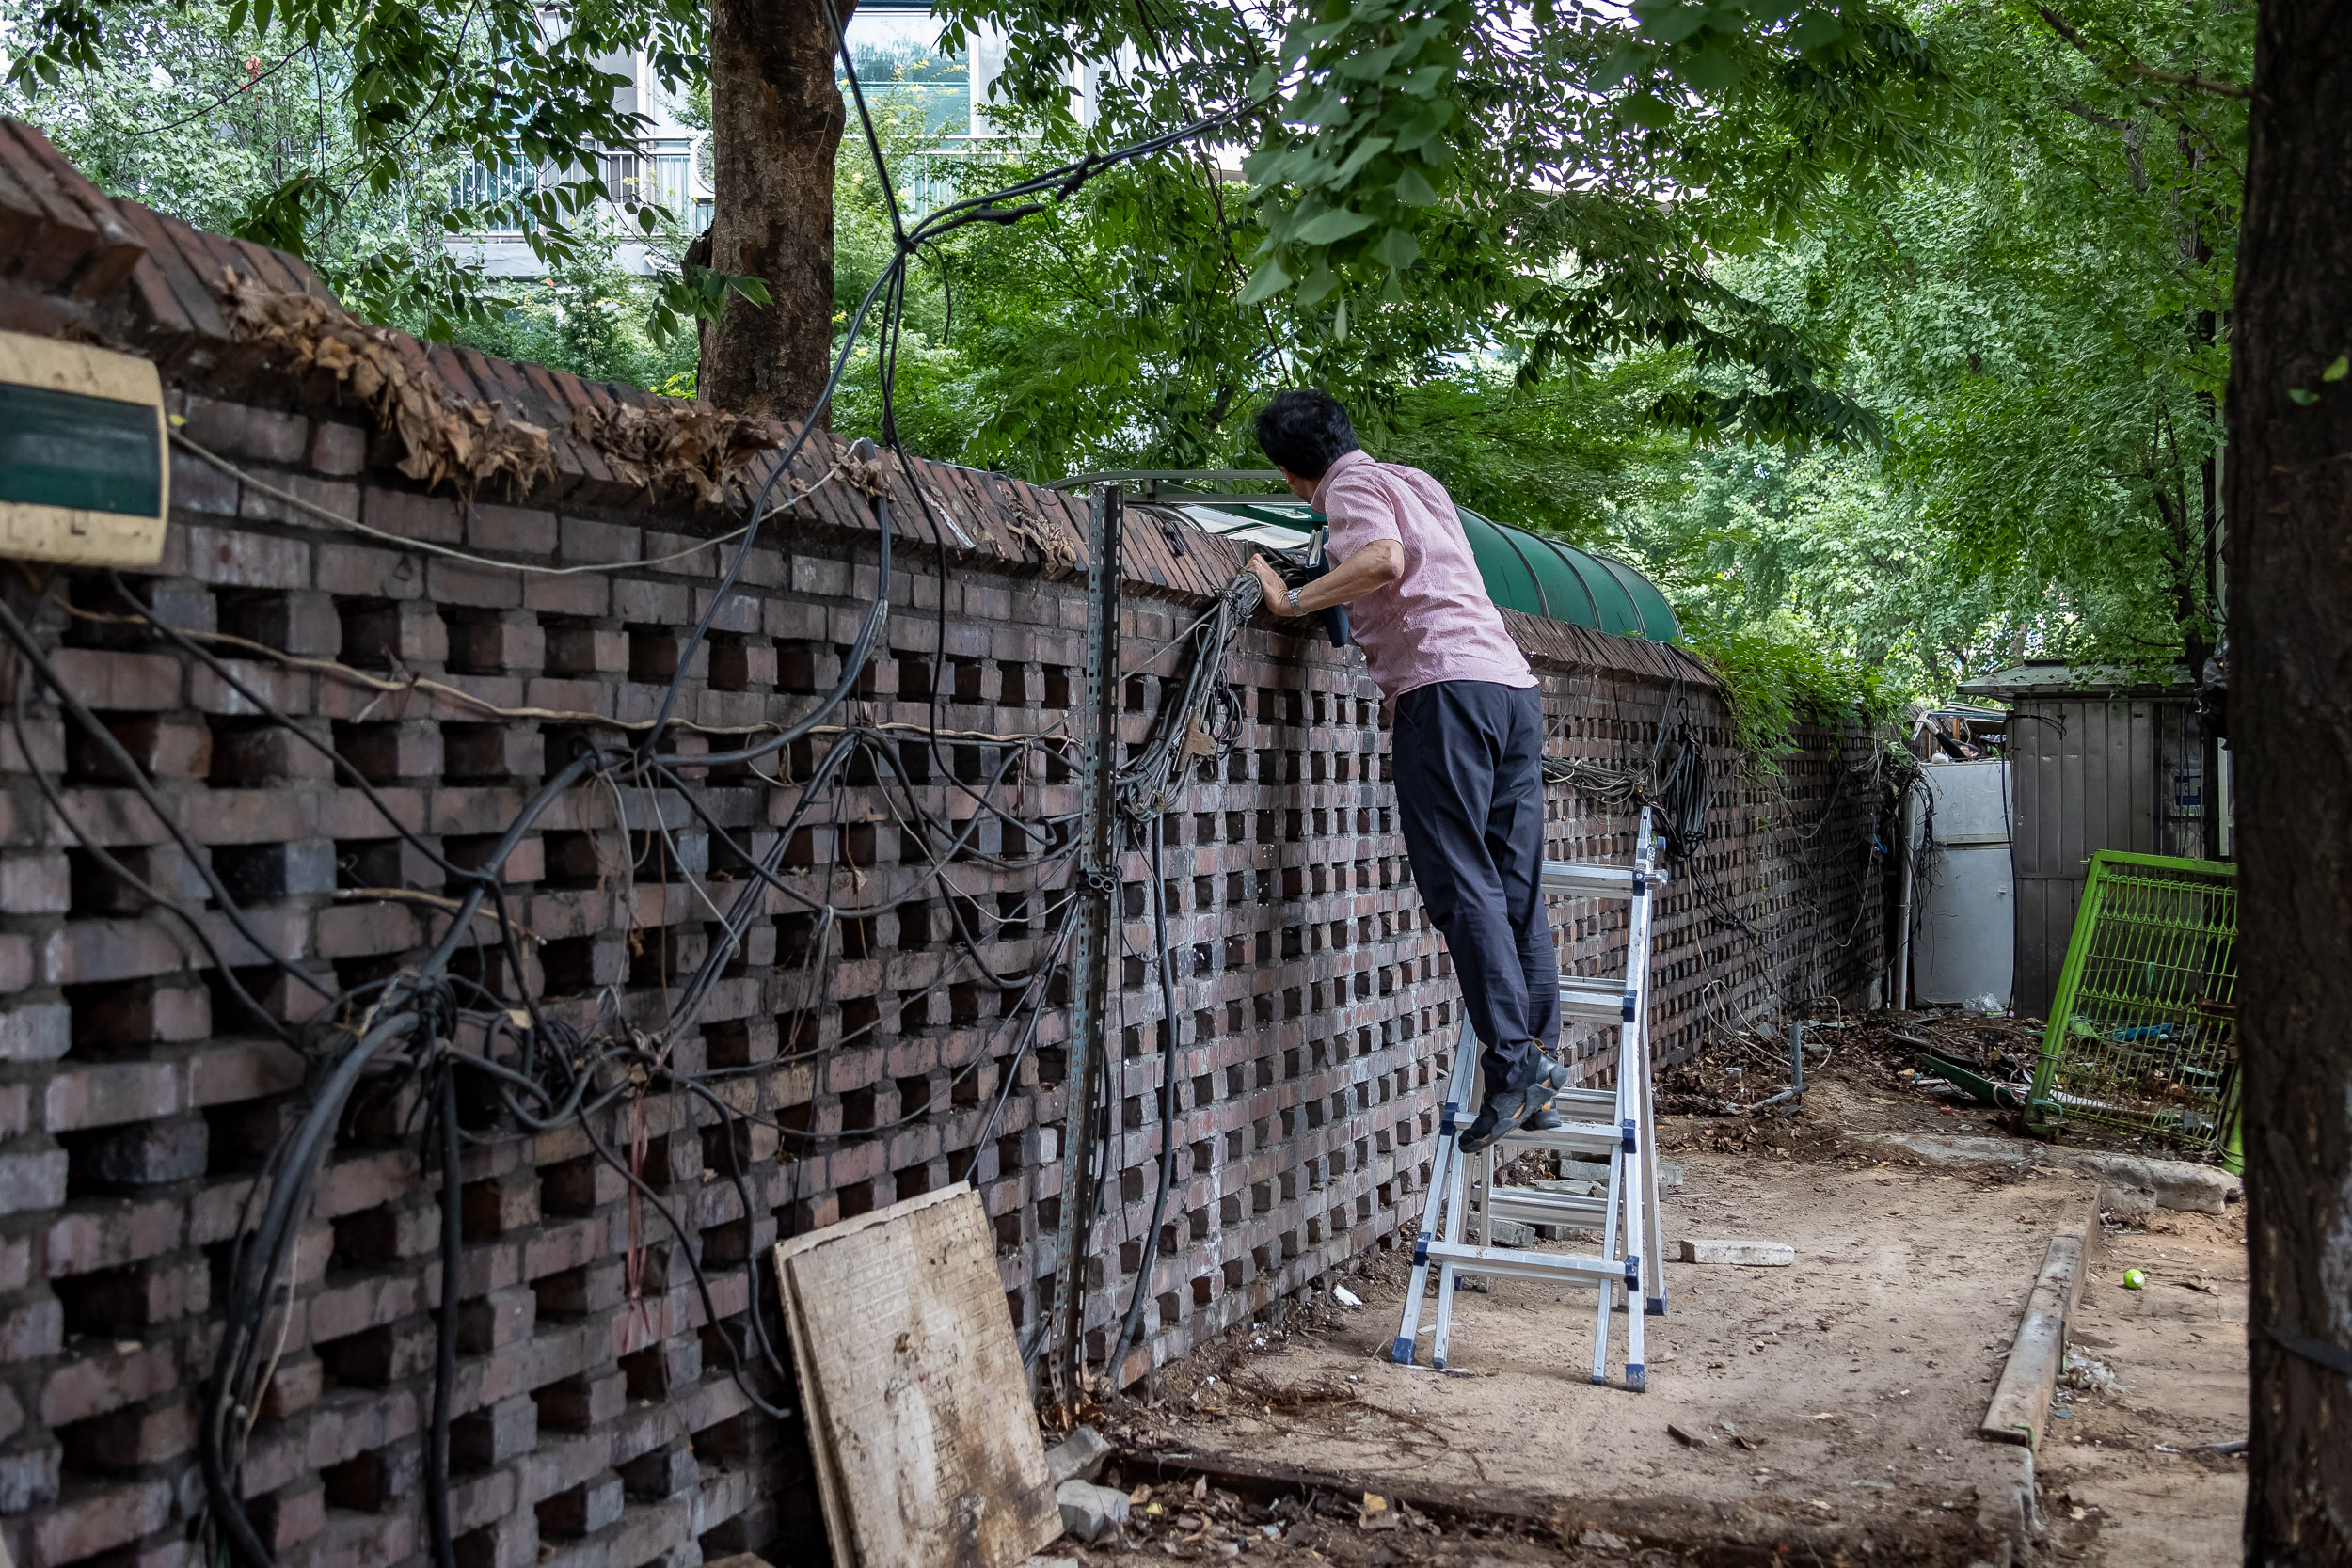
[(1436, 621)]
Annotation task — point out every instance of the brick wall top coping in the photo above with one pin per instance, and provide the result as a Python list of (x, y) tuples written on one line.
[(230, 319)]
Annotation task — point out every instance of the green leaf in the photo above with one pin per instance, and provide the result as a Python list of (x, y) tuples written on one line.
[(1713, 69), (2336, 370), (1818, 30), (1332, 226), (1339, 323), (1620, 64), (1267, 281), (1398, 248), (1366, 150), (1676, 24), (2303, 395), (1319, 284), (1414, 190), (1648, 110)]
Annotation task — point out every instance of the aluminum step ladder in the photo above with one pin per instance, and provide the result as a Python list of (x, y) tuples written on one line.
[(1616, 1126)]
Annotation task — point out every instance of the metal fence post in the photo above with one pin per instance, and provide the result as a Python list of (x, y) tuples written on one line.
[(1097, 881)]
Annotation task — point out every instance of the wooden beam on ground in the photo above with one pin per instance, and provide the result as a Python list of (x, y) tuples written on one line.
[(2021, 1400)]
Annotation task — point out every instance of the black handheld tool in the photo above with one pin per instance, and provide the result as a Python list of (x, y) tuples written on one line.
[(1295, 574)]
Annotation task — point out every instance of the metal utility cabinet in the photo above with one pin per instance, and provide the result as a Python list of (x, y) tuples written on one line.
[(2099, 759), (1963, 936)]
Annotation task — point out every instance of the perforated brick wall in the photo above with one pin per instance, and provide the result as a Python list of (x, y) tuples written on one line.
[(598, 1423)]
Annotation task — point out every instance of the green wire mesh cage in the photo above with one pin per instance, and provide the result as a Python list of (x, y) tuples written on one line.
[(2143, 1032)]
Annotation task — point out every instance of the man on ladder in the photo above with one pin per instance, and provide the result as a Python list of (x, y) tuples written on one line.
[(1468, 726)]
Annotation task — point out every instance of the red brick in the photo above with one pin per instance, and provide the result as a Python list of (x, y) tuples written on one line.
[(374, 637), (582, 1510), (35, 885), (93, 950), (364, 571), (433, 519), (125, 1300), (586, 543), (504, 1204), (383, 751), (461, 583), (122, 1016), (237, 558), (289, 1516), (97, 1519), (497, 1321), (517, 530), (341, 450), (244, 1069), (294, 1385), (164, 745), (108, 680), (360, 929), (107, 1233), (238, 430), (35, 1033), (55, 234), (32, 1331), (199, 487), (128, 1440), (585, 650), (269, 755), (492, 647), (589, 593)]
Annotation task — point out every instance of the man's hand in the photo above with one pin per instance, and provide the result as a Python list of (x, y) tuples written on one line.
[(1277, 592)]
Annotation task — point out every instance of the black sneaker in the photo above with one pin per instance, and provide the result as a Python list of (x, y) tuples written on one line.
[(1514, 1109)]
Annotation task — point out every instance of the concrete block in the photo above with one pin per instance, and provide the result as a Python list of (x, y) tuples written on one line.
[(1090, 1512), (1078, 1457), (1755, 1255)]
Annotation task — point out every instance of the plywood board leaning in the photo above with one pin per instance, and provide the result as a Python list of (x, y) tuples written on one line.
[(928, 1453)]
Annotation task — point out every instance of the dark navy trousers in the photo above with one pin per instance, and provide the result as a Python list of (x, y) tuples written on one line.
[(1467, 758)]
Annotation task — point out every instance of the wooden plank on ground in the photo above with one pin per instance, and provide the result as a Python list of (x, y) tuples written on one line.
[(927, 1452), (2020, 1408)]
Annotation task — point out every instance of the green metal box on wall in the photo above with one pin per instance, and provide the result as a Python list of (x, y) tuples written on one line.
[(85, 468)]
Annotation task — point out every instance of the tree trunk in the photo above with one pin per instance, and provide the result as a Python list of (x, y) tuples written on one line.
[(2290, 541), (776, 125)]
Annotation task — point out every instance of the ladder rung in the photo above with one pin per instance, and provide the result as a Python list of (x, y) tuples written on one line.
[(1572, 1137), (1517, 1203), (1592, 998), (1525, 1265), (1575, 879), (1602, 1101)]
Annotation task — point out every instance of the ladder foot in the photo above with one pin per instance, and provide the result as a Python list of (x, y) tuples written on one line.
[(1635, 1378), (1402, 1351), (1654, 1307)]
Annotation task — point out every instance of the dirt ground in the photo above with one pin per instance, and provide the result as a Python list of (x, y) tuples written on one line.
[(1825, 1412)]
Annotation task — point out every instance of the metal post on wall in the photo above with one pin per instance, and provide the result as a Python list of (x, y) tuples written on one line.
[(1097, 881)]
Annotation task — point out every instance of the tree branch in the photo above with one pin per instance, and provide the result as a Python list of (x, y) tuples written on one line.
[(2131, 67)]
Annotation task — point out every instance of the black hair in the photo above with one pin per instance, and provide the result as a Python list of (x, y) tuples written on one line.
[(1306, 430)]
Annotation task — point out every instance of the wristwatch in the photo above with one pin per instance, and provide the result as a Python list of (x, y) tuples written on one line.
[(1294, 602)]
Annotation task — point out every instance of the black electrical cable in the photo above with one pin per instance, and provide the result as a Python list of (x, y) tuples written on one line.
[(557, 1083), (1167, 1103), (445, 1346), (136, 778)]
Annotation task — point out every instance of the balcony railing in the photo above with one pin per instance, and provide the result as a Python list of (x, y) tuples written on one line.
[(659, 176)]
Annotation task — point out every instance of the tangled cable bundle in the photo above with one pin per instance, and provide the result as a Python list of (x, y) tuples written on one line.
[(457, 1048)]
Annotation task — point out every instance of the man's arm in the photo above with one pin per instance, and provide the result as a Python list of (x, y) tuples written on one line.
[(1376, 565)]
